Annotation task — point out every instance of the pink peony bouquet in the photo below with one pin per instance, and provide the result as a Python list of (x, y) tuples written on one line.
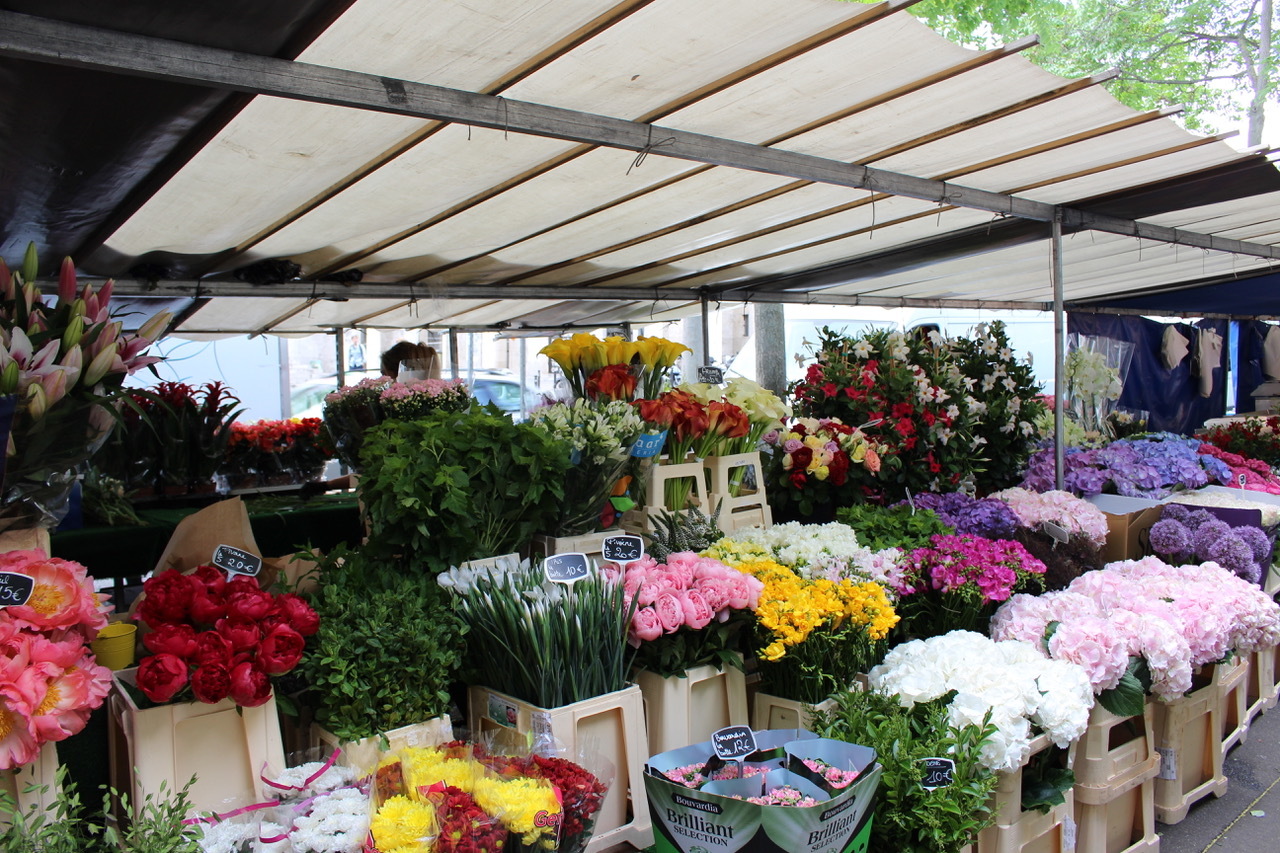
[(957, 582), (689, 611), (49, 680), (1142, 626)]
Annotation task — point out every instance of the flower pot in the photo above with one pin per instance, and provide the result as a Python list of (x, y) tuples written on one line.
[(1034, 832), (224, 747), (686, 709), (362, 755), (41, 773), (613, 724)]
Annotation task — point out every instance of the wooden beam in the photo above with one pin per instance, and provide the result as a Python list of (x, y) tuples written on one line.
[(62, 43)]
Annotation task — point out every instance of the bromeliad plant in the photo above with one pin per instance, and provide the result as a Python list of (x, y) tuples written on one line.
[(546, 643), (62, 366)]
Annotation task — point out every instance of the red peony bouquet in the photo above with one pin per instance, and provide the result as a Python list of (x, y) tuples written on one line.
[(49, 680), (221, 638)]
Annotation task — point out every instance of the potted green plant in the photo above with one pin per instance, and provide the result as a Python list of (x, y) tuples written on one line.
[(456, 486), (910, 817), (388, 649)]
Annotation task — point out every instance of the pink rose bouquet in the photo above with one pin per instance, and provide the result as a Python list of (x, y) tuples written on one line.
[(957, 582), (49, 680), (689, 611)]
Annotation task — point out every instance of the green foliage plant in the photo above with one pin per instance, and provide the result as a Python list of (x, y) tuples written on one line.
[(879, 527), (453, 487), (67, 827), (388, 648), (909, 818)]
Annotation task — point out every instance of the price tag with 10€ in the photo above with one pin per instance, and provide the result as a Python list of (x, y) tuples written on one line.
[(566, 568)]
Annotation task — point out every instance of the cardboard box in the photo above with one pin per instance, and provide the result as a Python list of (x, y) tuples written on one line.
[(1129, 523), (686, 819)]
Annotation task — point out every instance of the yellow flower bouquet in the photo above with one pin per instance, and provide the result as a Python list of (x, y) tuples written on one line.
[(815, 635), (582, 357)]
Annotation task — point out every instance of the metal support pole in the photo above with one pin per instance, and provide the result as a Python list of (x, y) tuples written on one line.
[(524, 370), (706, 329), (340, 338), (453, 353), (1059, 350)]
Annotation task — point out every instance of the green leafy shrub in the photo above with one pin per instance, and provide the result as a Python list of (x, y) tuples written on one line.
[(880, 527), (388, 647), (453, 487), (909, 818)]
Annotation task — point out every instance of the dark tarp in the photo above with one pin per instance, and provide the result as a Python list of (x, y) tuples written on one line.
[(80, 150), (1246, 297), (1170, 396)]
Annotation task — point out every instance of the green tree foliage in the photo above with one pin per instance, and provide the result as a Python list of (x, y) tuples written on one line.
[(1213, 57)]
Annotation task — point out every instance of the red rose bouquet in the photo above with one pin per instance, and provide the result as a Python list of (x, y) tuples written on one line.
[(218, 638), (49, 680)]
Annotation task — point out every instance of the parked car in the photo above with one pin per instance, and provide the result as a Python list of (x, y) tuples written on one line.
[(503, 390)]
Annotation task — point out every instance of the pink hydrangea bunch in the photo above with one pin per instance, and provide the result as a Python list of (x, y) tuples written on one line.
[(49, 679), (688, 610), (1176, 618), (1064, 509)]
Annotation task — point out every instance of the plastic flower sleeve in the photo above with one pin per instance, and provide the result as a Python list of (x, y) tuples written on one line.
[(1096, 369), (310, 772), (336, 822)]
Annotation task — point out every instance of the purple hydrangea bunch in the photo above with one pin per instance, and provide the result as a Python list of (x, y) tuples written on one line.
[(1186, 535), (988, 517), (1149, 467)]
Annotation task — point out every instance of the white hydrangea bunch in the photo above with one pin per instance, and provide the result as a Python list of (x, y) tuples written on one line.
[(1024, 691)]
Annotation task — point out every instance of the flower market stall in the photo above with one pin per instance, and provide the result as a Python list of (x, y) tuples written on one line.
[(585, 629)]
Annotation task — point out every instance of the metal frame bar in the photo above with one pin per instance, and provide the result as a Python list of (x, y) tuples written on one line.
[(62, 43)]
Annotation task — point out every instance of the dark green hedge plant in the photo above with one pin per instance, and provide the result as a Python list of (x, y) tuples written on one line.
[(453, 487)]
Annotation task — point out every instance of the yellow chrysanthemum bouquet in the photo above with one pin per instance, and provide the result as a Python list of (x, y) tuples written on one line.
[(814, 635)]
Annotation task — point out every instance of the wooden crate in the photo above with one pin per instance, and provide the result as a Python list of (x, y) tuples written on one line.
[(1115, 766), (362, 755), (686, 709), (774, 712), (225, 747), (613, 724), (1263, 686), (1189, 743), (640, 519), (591, 544), (1033, 832), (33, 785), (1233, 689), (747, 509)]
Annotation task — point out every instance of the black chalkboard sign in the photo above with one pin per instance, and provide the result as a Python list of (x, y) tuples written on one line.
[(733, 742), (938, 773), (566, 568), (237, 561), (623, 548), (710, 375), (15, 589)]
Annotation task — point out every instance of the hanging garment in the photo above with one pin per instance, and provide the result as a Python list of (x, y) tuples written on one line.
[(1209, 355), (1174, 347), (1271, 353)]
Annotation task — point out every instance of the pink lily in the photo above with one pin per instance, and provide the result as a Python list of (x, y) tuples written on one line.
[(73, 364), (67, 282), (102, 364), (6, 281), (34, 366)]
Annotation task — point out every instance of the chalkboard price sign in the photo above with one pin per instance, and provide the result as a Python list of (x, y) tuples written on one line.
[(710, 375), (733, 742), (566, 568), (623, 549), (15, 589), (938, 773), (236, 561)]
